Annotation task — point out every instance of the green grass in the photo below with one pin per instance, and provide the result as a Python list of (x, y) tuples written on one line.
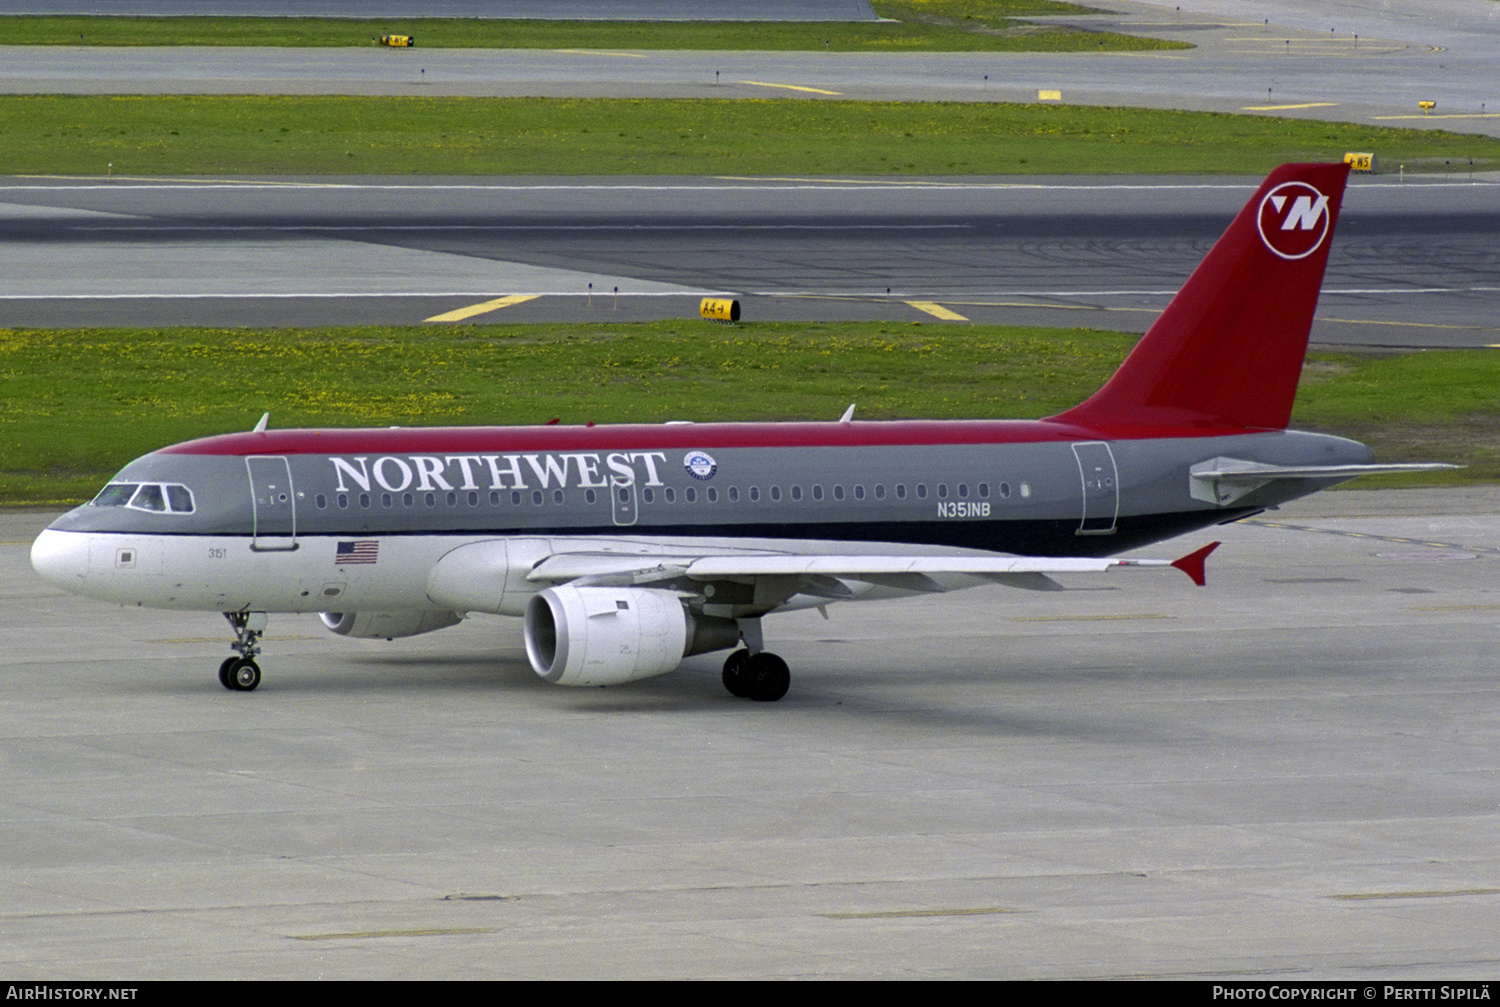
[(914, 25), (294, 135), (79, 404)]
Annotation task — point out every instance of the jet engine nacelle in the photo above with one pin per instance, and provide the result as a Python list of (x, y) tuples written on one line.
[(387, 625), (612, 635)]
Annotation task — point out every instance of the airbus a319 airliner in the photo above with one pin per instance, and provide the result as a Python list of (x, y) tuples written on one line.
[(627, 548)]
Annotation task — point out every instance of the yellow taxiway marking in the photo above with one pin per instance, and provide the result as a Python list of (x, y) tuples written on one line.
[(459, 314), (937, 311), (435, 932), (789, 87), (903, 914), (1279, 108), (1357, 896), (1408, 325), (1089, 618), (600, 52)]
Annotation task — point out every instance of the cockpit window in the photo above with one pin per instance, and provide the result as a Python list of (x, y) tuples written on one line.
[(115, 495), (158, 498), (148, 497)]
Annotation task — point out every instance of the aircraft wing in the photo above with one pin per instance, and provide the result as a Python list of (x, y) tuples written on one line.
[(823, 572)]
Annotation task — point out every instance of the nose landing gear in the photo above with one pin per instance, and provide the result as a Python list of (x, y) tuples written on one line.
[(242, 674)]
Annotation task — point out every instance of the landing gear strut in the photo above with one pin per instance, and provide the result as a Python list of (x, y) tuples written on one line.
[(241, 674)]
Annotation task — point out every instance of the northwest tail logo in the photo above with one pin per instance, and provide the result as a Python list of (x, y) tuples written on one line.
[(1294, 220)]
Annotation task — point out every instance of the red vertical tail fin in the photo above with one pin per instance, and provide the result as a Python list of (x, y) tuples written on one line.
[(1229, 348)]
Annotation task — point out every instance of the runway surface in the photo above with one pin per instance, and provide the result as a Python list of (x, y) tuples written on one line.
[(1414, 263), (1290, 774)]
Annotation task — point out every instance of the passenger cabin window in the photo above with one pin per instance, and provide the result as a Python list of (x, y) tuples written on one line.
[(156, 498)]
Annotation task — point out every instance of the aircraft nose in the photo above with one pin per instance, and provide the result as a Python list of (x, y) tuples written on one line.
[(61, 558)]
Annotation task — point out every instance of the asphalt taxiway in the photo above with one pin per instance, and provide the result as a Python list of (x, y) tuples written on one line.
[(1289, 774), (1413, 264)]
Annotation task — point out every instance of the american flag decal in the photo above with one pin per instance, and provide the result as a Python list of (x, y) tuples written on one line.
[(364, 550)]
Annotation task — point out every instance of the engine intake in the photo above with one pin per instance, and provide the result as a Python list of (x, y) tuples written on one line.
[(612, 635)]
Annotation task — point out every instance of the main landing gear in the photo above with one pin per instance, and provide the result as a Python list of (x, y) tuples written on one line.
[(753, 672), (241, 673), (763, 676)]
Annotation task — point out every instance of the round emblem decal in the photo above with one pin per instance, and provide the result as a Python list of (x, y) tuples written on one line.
[(700, 464), (1293, 220)]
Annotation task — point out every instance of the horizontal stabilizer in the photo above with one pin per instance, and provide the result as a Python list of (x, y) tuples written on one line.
[(1222, 481), (1240, 472)]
